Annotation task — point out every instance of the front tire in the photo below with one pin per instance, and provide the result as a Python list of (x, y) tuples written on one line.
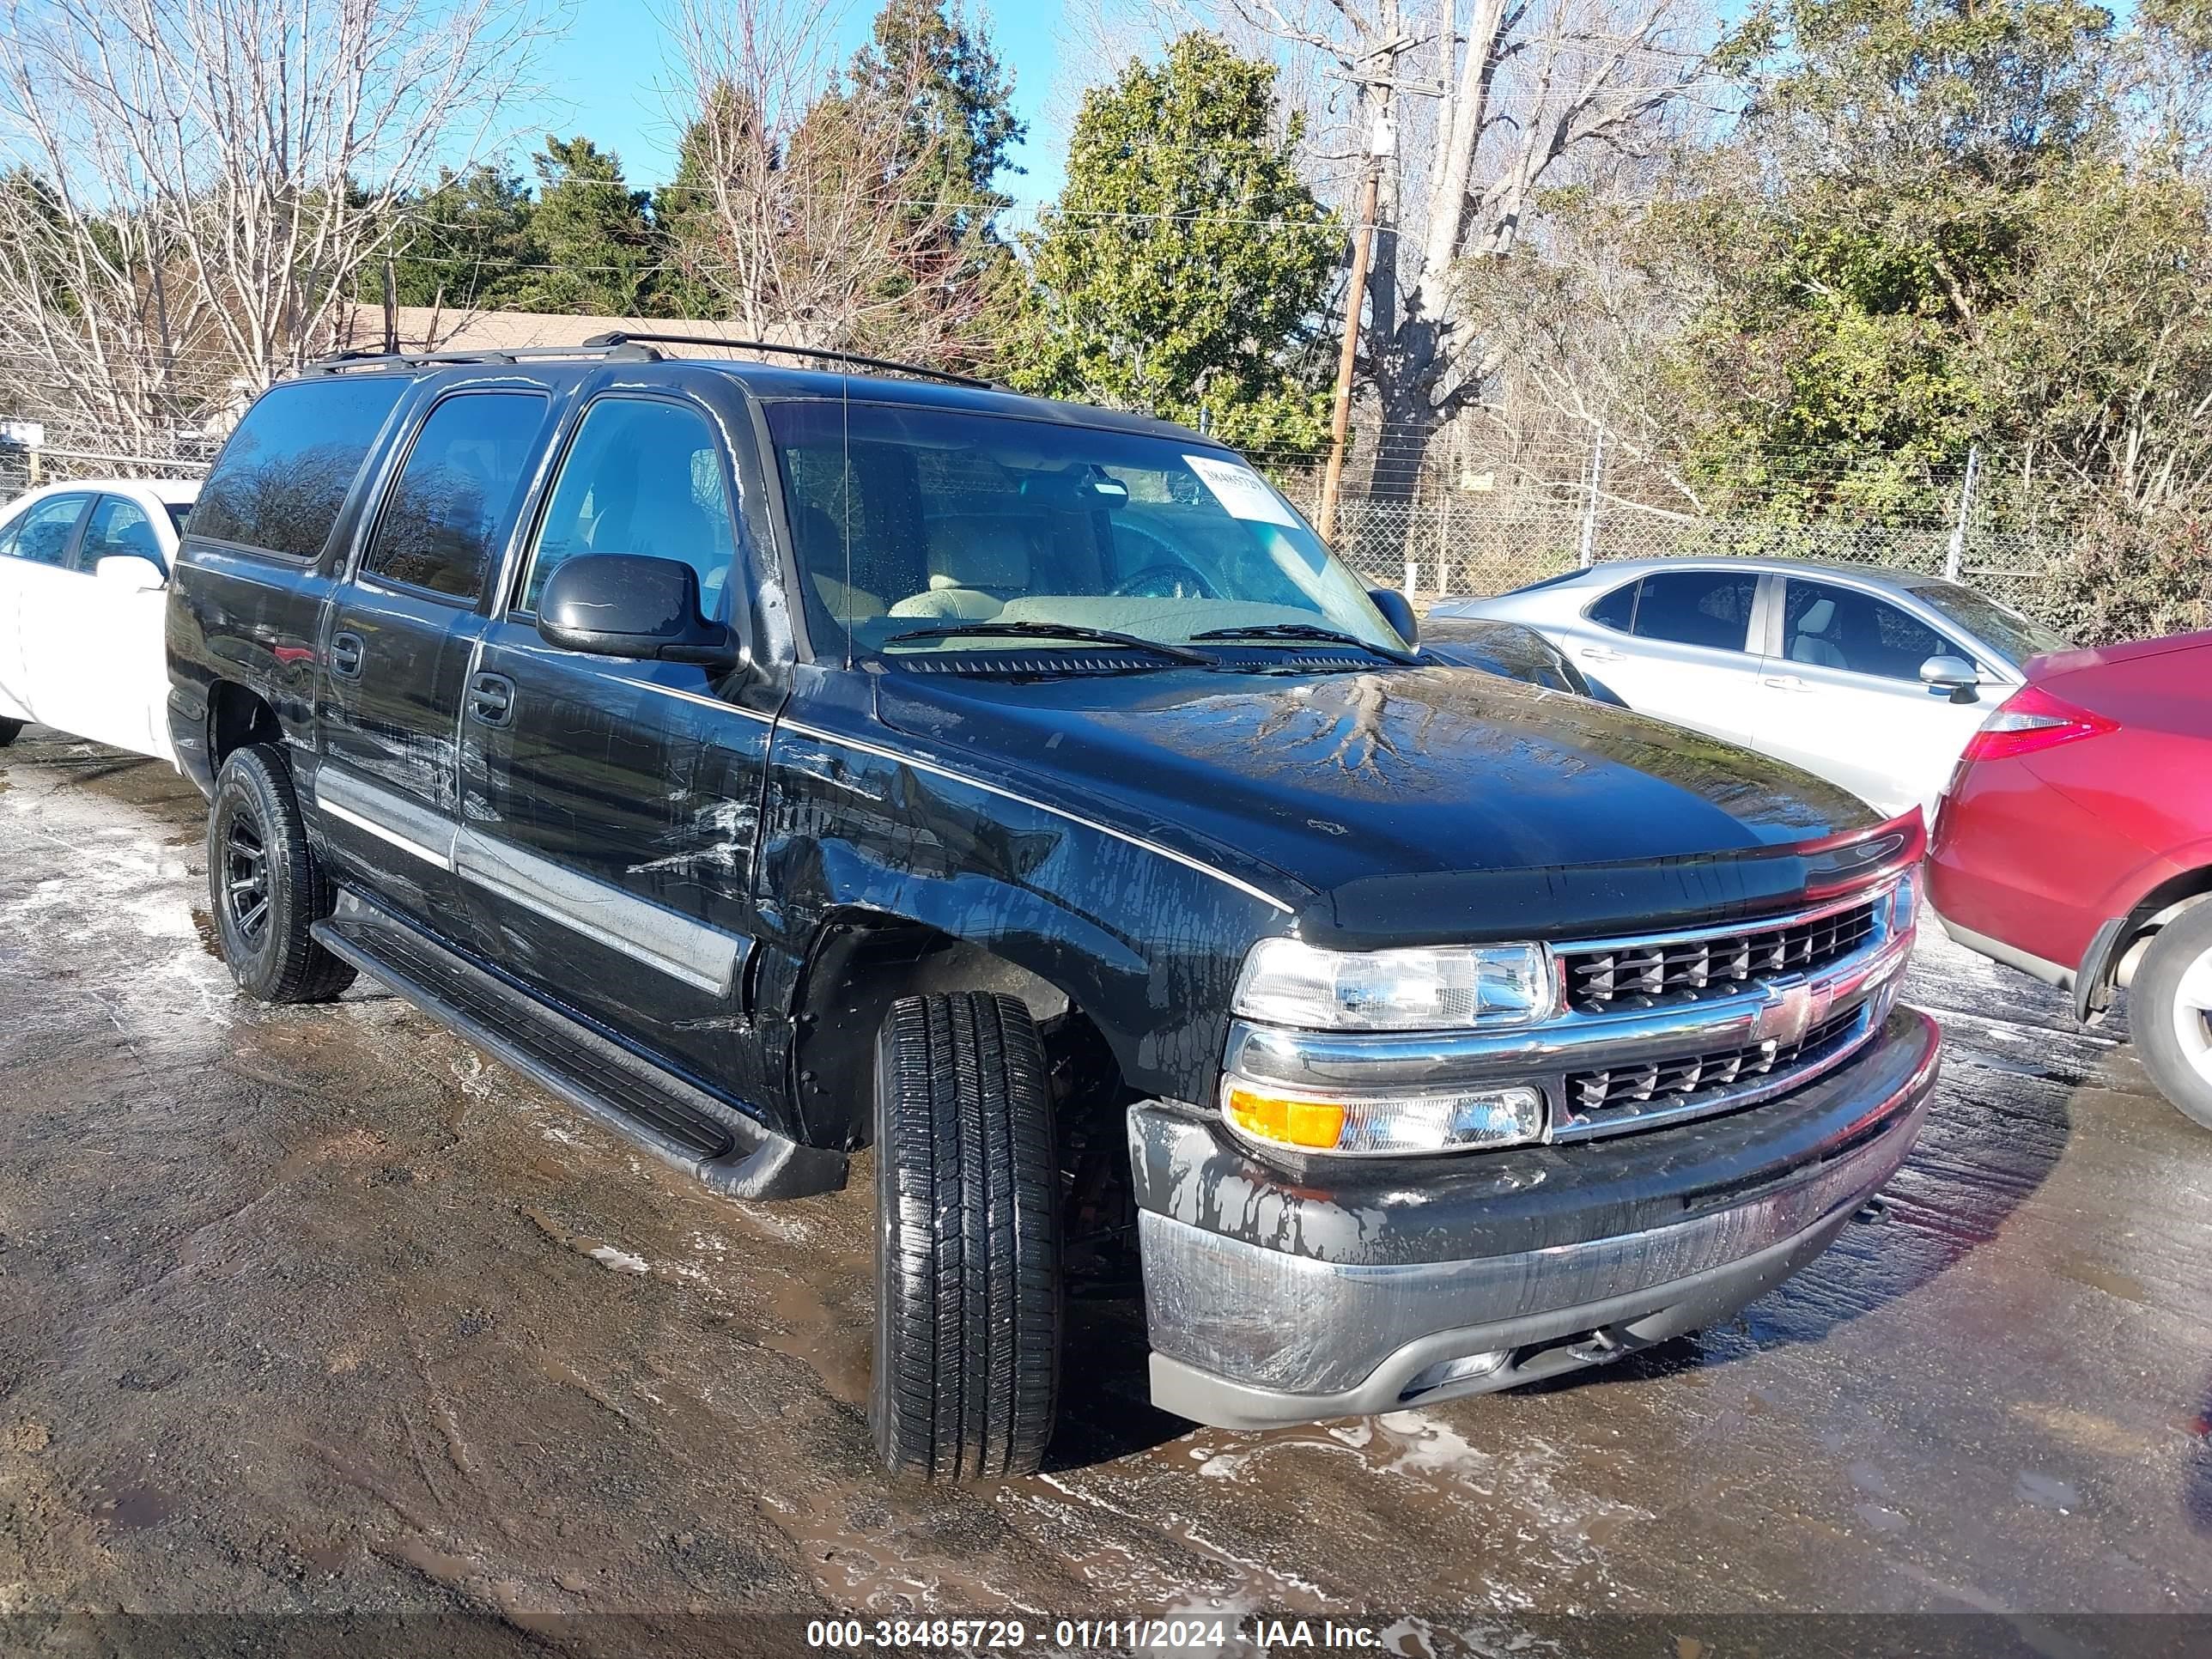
[(968, 1272), (266, 886), (2170, 1010), (9, 731)]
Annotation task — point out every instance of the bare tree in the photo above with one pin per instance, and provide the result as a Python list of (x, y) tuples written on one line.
[(193, 184), (1491, 103), (795, 211), (1576, 338)]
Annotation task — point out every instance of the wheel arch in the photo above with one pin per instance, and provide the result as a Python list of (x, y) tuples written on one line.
[(861, 959), (238, 715), (2118, 946)]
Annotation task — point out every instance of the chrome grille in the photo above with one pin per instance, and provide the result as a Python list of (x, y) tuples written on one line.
[(1617, 977), (1674, 1081)]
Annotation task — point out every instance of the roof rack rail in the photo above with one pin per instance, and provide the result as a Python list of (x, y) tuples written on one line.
[(376, 357), (623, 337)]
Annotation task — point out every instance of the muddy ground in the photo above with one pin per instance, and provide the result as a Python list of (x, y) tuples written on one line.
[(317, 1310)]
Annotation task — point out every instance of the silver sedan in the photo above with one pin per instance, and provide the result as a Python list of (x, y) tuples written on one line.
[(1873, 679)]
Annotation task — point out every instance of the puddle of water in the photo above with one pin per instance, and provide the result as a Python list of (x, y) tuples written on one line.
[(837, 1343), (131, 1508), (1880, 1519), (2047, 1491), (2105, 1280)]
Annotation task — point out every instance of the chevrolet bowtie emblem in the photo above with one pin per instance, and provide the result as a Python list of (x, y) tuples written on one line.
[(1790, 1012)]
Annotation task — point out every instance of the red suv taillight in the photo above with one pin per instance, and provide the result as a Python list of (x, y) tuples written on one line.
[(2031, 720)]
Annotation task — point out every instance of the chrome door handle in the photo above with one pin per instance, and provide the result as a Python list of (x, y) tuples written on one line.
[(1597, 653), (1784, 682)]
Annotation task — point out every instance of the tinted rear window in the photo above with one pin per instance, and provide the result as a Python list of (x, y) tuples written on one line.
[(1697, 607), (445, 518), (1616, 610), (284, 474)]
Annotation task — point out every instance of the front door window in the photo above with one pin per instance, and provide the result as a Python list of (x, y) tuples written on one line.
[(643, 476), (1827, 626)]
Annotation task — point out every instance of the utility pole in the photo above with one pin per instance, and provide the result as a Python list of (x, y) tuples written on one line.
[(391, 308), (1382, 145), (1957, 552)]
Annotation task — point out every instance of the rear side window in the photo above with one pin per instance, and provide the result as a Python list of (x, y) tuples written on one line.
[(1710, 608), (448, 511), (285, 472), (1617, 610)]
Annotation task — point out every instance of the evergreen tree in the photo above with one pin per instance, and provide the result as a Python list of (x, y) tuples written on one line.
[(1183, 268), (601, 247), (466, 244), (957, 103)]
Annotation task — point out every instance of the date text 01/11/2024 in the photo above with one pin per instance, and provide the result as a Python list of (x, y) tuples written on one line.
[(1203, 1634)]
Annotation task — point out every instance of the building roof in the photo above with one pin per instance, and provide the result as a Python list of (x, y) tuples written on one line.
[(435, 328)]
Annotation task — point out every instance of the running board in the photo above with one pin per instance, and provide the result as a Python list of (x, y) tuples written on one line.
[(678, 1124)]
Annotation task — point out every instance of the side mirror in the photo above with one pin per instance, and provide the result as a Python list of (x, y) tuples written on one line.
[(133, 572), (1950, 674), (624, 605), (1398, 612)]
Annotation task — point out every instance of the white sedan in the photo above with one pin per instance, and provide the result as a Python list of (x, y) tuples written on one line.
[(84, 570), (1873, 679)]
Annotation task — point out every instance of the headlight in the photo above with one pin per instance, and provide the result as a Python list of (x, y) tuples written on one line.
[(1286, 981), (1448, 1121)]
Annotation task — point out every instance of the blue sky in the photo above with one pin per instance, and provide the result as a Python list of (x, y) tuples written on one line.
[(602, 76)]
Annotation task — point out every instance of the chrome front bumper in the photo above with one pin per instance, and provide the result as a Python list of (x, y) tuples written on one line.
[(1270, 1300)]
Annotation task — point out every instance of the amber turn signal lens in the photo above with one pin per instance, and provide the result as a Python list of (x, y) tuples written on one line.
[(1315, 1123), (1362, 1125)]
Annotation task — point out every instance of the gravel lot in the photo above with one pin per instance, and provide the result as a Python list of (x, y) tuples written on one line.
[(317, 1312)]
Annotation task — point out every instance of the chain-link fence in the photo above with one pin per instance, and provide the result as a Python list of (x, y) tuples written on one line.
[(24, 467), (1471, 546)]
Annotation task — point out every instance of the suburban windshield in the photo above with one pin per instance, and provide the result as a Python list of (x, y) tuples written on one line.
[(1997, 625), (920, 522)]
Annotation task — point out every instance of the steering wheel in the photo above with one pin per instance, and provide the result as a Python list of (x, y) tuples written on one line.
[(1165, 581)]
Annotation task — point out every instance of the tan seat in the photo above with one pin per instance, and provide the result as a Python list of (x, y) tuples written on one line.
[(973, 569), (846, 605), (821, 551)]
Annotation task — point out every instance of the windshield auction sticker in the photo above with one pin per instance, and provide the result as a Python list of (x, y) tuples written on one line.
[(1240, 491)]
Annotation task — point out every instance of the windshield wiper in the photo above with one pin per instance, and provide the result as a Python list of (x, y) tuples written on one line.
[(1303, 631), (1046, 631)]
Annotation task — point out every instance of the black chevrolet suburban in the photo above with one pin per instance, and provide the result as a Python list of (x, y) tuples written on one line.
[(780, 761)]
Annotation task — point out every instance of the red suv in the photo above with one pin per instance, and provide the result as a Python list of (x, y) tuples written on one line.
[(2075, 843)]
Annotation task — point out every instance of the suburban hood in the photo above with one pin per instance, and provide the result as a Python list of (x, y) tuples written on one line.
[(1369, 798)]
